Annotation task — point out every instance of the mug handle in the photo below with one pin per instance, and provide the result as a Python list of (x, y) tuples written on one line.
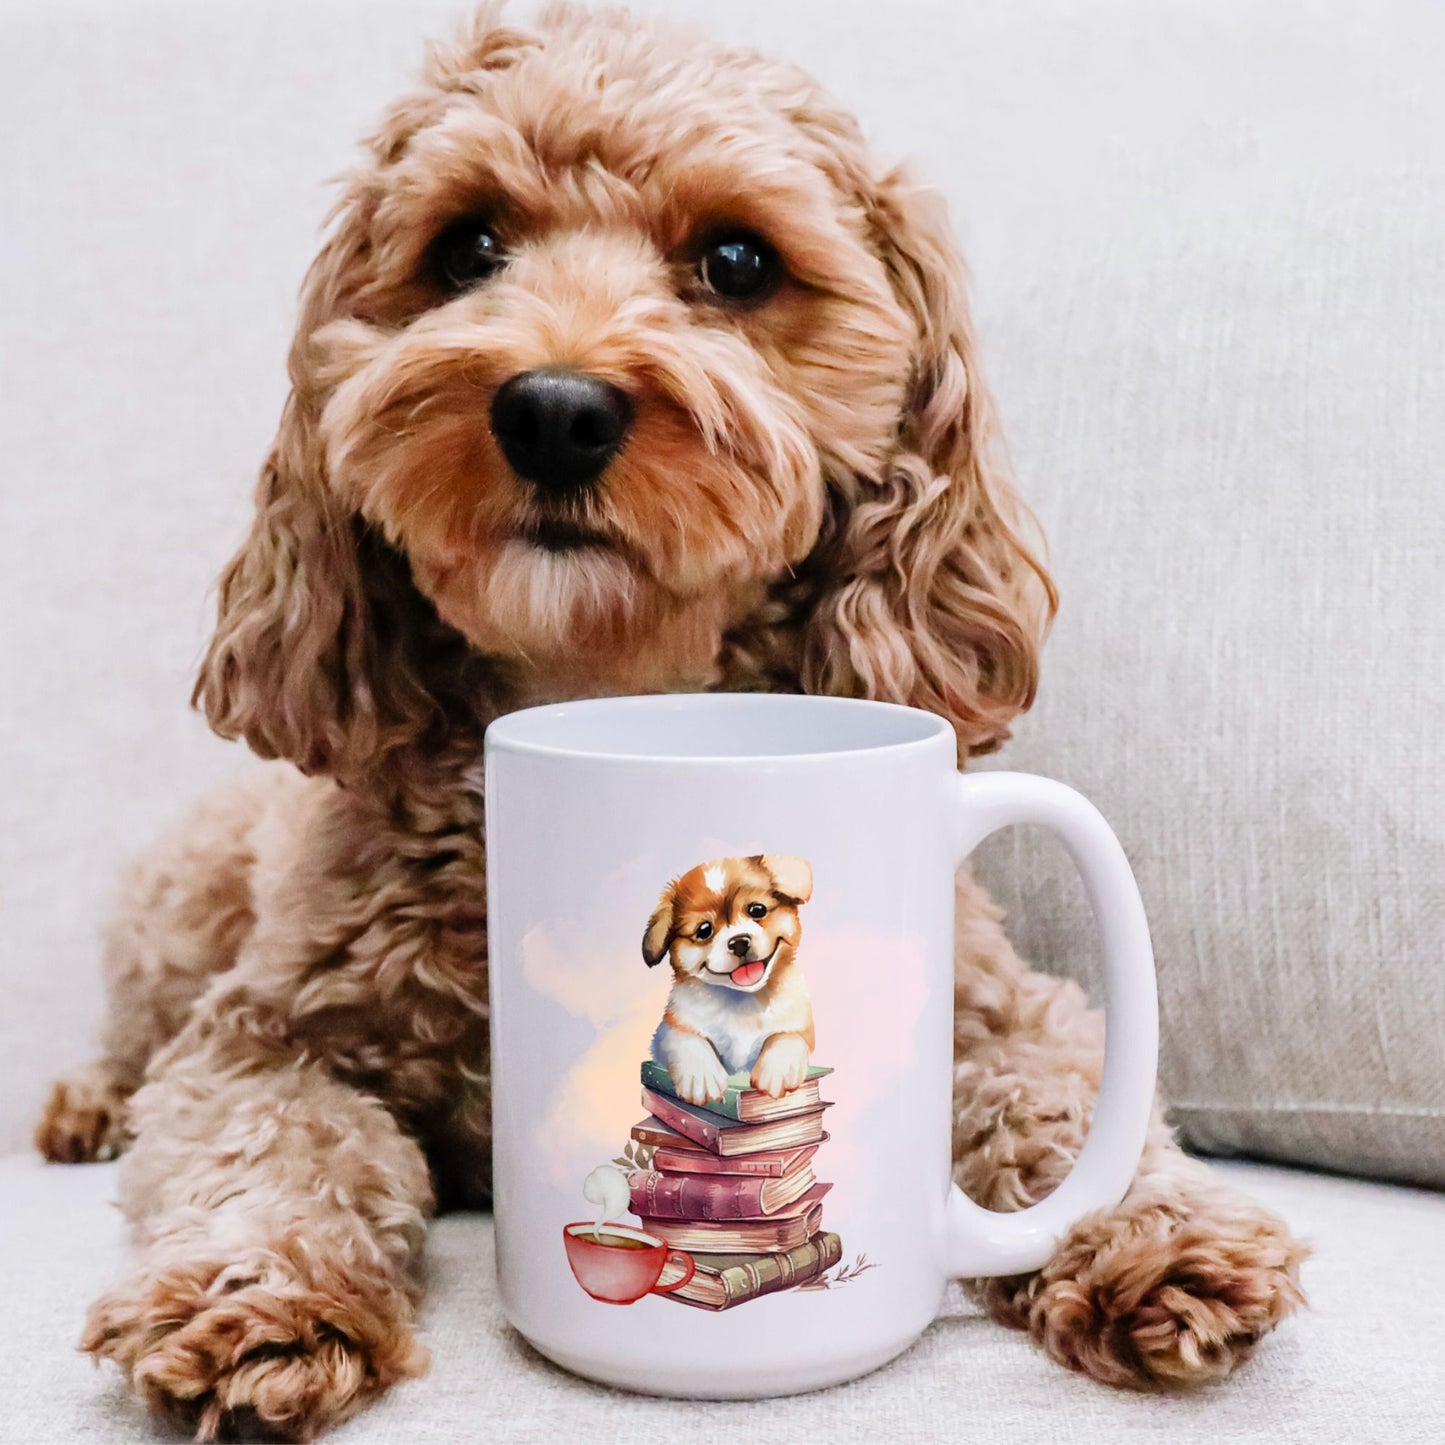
[(675, 1256), (982, 1242)]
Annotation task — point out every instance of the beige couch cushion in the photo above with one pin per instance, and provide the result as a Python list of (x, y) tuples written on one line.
[(1222, 361), (1366, 1352), (1206, 238)]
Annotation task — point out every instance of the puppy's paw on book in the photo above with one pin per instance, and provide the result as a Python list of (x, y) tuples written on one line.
[(697, 1072), (740, 1099), (782, 1066)]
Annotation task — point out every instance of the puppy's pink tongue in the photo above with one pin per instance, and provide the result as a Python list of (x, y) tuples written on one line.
[(749, 973)]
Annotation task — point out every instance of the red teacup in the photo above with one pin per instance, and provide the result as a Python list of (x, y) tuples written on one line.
[(618, 1264)]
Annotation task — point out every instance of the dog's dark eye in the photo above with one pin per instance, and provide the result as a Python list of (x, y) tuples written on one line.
[(466, 253), (703, 932), (738, 267), (757, 910)]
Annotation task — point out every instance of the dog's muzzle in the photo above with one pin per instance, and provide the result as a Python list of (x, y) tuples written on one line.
[(749, 971)]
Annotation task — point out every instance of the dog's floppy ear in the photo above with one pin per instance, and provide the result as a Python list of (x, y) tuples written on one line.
[(324, 651), (935, 596), (311, 657), (658, 938), (792, 877)]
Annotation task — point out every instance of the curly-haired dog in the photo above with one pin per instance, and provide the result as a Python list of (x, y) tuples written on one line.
[(624, 366), (738, 1001)]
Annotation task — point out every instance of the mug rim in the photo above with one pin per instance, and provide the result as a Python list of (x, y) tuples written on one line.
[(914, 729)]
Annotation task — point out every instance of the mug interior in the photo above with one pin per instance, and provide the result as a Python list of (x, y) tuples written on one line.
[(587, 1234), (715, 726)]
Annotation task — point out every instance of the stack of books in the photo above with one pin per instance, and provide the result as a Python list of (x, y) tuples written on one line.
[(732, 1184)]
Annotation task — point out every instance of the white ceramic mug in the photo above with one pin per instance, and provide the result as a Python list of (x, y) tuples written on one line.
[(687, 888)]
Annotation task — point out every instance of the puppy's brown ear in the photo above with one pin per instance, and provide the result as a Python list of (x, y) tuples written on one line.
[(792, 877), (936, 595), (658, 938)]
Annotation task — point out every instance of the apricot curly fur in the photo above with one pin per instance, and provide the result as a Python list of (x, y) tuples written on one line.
[(1174, 1287), (813, 497)]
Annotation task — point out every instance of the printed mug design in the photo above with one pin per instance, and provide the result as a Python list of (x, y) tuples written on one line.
[(720, 1173)]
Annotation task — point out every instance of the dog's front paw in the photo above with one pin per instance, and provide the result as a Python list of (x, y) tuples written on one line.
[(701, 1082), (279, 1340), (1170, 1291), (698, 1075), (781, 1066), (84, 1118)]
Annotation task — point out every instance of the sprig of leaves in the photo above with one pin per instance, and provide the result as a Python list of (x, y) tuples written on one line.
[(843, 1274), (635, 1156)]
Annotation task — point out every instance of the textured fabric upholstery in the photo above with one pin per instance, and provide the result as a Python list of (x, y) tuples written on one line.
[(1363, 1363)]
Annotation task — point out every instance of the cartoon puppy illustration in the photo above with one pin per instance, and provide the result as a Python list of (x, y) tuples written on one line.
[(739, 1001)]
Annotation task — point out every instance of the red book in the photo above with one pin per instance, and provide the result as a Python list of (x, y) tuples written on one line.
[(678, 1155), (716, 1196), (654, 1132), (793, 1225), (773, 1163), (729, 1137)]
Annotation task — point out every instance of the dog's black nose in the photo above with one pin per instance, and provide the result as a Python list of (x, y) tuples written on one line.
[(559, 429), (739, 946)]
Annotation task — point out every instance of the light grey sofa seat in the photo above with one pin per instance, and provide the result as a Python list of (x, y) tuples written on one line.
[(1365, 1365)]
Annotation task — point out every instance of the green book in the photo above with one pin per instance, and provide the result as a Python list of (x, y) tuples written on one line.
[(741, 1101), (723, 1280)]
